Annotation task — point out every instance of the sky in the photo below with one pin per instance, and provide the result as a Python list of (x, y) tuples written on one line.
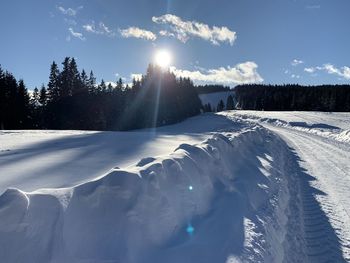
[(227, 42)]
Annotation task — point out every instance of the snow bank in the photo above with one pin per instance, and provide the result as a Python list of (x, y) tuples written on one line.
[(343, 136), (320, 129), (48, 159), (224, 200)]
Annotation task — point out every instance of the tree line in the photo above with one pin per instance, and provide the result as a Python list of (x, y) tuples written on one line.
[(204, 89), (73, 100), (293, 97)]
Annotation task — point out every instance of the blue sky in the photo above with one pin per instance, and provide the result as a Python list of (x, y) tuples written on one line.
[(227, 41)]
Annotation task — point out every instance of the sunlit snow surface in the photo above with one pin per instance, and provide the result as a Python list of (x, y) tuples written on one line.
[(232, 187)]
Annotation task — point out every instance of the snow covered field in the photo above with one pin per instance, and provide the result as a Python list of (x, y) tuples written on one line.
[(37, 159), (239, 186)]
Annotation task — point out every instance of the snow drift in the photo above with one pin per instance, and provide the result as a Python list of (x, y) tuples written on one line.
[(320, 129), (224, 200)]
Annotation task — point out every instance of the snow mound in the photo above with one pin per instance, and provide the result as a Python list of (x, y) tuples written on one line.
[(320, 129), (344, 136), (224, 200)]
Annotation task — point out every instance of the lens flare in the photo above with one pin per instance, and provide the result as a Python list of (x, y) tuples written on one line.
[(190, 229)]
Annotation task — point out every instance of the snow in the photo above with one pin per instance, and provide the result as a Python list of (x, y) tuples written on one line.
[(335, 125), (239, 186), (39, 159)]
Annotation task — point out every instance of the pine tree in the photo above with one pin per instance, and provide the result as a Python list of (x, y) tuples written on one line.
[(102, 87), (22, 106), (119, 84), (65, 79), (92, 82), (84, 82), (76, 83), (34, 100), (53, 85), (221, 106), (230, 103), (43, 96)]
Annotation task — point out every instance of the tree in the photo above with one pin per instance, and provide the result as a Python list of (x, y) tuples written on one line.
[(91, 83), (53, 92), (76, 82), (43, 96), (221, 106), (22, 106), (34, 100), (230, 103), (65, 79), (84, 82)]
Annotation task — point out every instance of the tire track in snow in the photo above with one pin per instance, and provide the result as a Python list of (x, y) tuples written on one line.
[(324, 195)]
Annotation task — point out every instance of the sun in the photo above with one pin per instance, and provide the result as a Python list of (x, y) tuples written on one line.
[(162, 58)]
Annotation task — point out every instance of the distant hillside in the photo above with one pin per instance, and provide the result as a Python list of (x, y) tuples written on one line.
[(202, 89), (214, 98)]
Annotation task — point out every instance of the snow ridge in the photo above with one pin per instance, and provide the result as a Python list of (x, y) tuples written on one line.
[(227, 199), (319, 129)]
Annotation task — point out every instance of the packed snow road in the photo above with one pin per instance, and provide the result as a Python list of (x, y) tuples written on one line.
[(326, 160)]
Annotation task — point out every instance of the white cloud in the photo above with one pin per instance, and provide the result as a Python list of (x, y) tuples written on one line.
[(136, 76), (166, 33), (112, 83), (76, 34), (138, 33), (310, 70), (186, 29), (69, 11), (296, 62), (100, 29), (343, 72), (241, 73)]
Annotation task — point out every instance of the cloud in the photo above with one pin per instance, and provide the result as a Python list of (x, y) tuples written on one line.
[(296, 62), (184, 30), (112, 83), (100, 29), (343, 72), (166, 33), (136, 76), (138, 33), (241, 73), (69, 11), (76, 34), (310, 70)]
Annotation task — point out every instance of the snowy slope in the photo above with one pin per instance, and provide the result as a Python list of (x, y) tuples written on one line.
[(214, 98), (230, 187), (36, 159)]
